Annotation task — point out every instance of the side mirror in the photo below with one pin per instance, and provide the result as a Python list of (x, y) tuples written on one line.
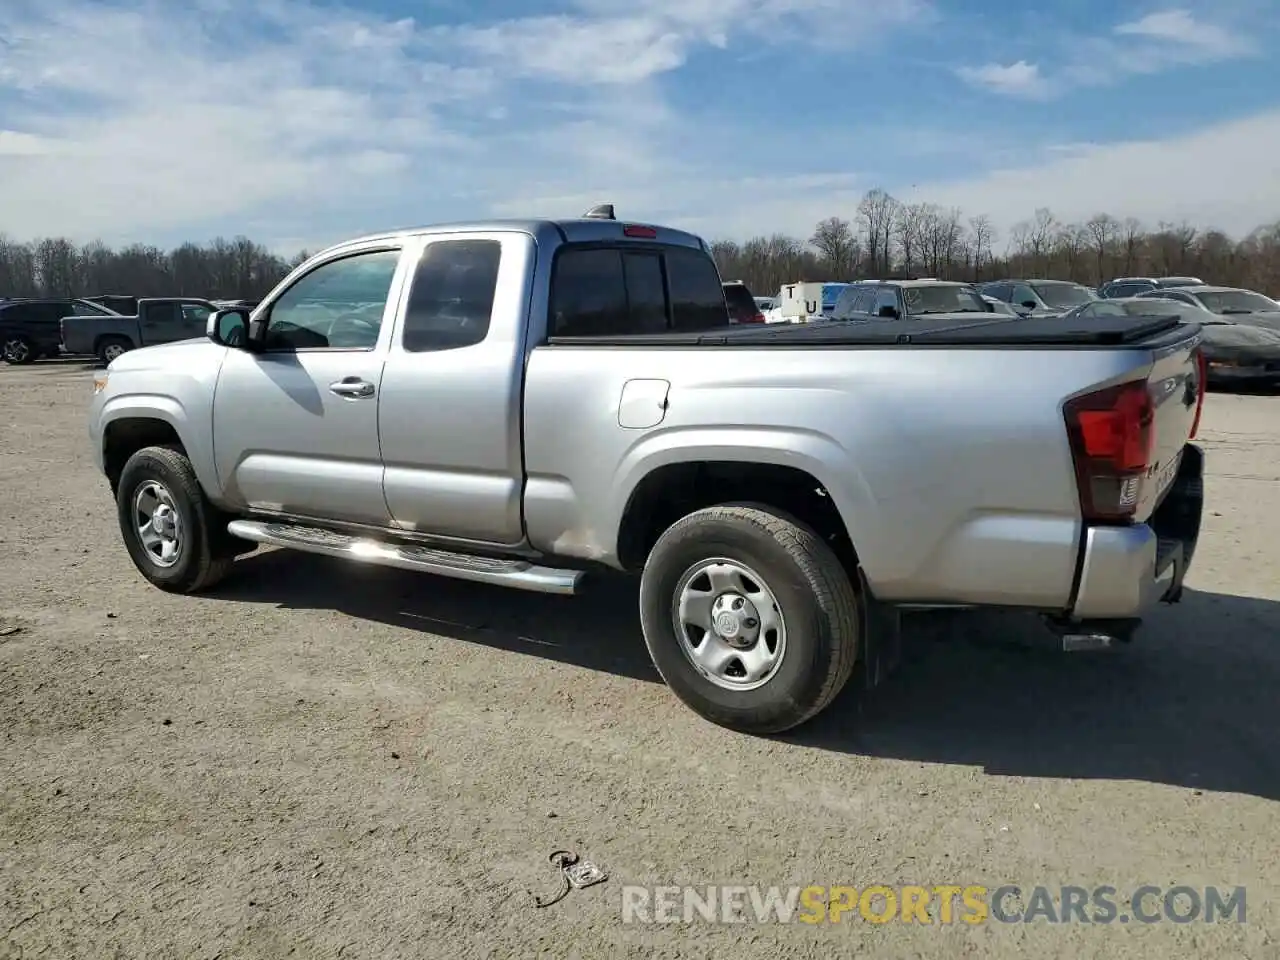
[(887, 312), (229, 327), (1030, 304)]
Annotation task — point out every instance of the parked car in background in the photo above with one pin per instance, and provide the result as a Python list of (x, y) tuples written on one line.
[(519, 404), (116, 303), (896, 299), (1132, 286), (1235, 350), (1245, 306), (740, 303), (158, 320), (1039, 298), (31, 328)]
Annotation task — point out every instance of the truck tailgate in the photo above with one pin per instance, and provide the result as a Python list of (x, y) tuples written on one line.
[(1176, 386)]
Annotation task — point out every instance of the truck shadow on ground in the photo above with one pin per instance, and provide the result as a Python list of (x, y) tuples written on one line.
[(1194, 701)]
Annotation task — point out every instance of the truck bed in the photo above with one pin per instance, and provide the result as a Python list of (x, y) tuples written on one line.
[(982, 332)]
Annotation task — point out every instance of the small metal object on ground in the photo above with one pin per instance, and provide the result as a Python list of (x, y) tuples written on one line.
[(575, 873)]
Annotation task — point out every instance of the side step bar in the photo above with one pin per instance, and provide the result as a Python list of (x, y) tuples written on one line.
[(519, 574)]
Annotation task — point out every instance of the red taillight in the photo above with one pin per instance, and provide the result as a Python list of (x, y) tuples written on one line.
[(1112, 434), (758, 318), (1202, 384), (643, 233)]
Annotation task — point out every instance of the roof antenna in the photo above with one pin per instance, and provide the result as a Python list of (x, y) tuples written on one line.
[(601, 211)]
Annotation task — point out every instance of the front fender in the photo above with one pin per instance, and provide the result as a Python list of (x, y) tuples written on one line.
[(195, 438)]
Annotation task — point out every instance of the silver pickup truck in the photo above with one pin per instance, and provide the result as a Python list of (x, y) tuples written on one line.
[(520, 403)]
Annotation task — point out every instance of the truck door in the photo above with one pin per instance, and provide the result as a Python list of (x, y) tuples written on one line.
[(195, 320), (450, 415), (160, 322), (295, 426)]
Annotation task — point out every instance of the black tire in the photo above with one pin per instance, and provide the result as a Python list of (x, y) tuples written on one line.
[(18, 349), (820, 606), (105, 346), (204, 554)]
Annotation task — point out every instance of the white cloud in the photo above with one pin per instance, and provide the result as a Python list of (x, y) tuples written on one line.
[(1019, 79), (1157, 42), (147, 118), (1181, 28), (299, 125), (1221, 176)]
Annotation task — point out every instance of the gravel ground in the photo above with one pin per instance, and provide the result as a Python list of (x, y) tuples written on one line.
[(323, 760)]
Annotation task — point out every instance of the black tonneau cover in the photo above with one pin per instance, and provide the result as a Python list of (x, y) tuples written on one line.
[(980, 331)]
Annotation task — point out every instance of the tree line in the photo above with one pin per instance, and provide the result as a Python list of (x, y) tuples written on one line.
[(883, 236)]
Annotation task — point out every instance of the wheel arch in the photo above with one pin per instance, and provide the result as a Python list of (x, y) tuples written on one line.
[(678, 481), (129, 425)]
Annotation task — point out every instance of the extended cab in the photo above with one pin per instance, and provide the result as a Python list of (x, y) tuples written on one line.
[(520, 403), (158, 320)]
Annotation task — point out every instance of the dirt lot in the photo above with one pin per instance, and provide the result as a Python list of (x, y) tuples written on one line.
[(323, 760)]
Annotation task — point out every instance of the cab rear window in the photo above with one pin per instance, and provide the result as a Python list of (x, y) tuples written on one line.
[(612, 291)]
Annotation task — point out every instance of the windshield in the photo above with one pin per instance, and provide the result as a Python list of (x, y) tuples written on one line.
[(1237, 301), (86, 309), (831, 293), (943, 298), (1065, 294)]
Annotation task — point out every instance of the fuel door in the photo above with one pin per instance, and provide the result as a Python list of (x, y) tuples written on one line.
[(643, 403)]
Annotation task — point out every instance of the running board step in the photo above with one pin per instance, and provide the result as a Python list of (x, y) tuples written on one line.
[(519, 574)]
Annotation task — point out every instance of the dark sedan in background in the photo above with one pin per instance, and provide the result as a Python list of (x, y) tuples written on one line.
[(1236, 350)]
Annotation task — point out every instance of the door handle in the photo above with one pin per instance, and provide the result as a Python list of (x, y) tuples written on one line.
[(353, 388)]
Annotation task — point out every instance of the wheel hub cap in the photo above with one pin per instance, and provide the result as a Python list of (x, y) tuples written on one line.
[(734, 619), (729, 624), (157, 524)]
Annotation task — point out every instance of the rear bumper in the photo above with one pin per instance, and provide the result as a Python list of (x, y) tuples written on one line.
[(1128, 570)]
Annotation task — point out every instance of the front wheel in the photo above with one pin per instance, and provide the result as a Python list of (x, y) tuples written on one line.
[(169, 527), (749, 617)]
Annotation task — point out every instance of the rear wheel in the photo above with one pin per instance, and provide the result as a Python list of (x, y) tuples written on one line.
[(18, 349), (170, 529), (112, 347), (750, 617)]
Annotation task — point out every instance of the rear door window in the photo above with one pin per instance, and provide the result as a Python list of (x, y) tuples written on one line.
[(451, 300)]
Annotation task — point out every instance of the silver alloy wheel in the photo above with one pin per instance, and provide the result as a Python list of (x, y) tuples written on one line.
[(112, 350), (159, 525), (16, 350), (729, 623)]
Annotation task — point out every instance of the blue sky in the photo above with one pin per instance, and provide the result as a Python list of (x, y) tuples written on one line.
[(300, 123)]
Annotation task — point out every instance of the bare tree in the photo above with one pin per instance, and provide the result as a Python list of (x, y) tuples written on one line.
[(893, 236), (877, 213), (836, 241), (1102, 229), (984, 236), (1130, 240)]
